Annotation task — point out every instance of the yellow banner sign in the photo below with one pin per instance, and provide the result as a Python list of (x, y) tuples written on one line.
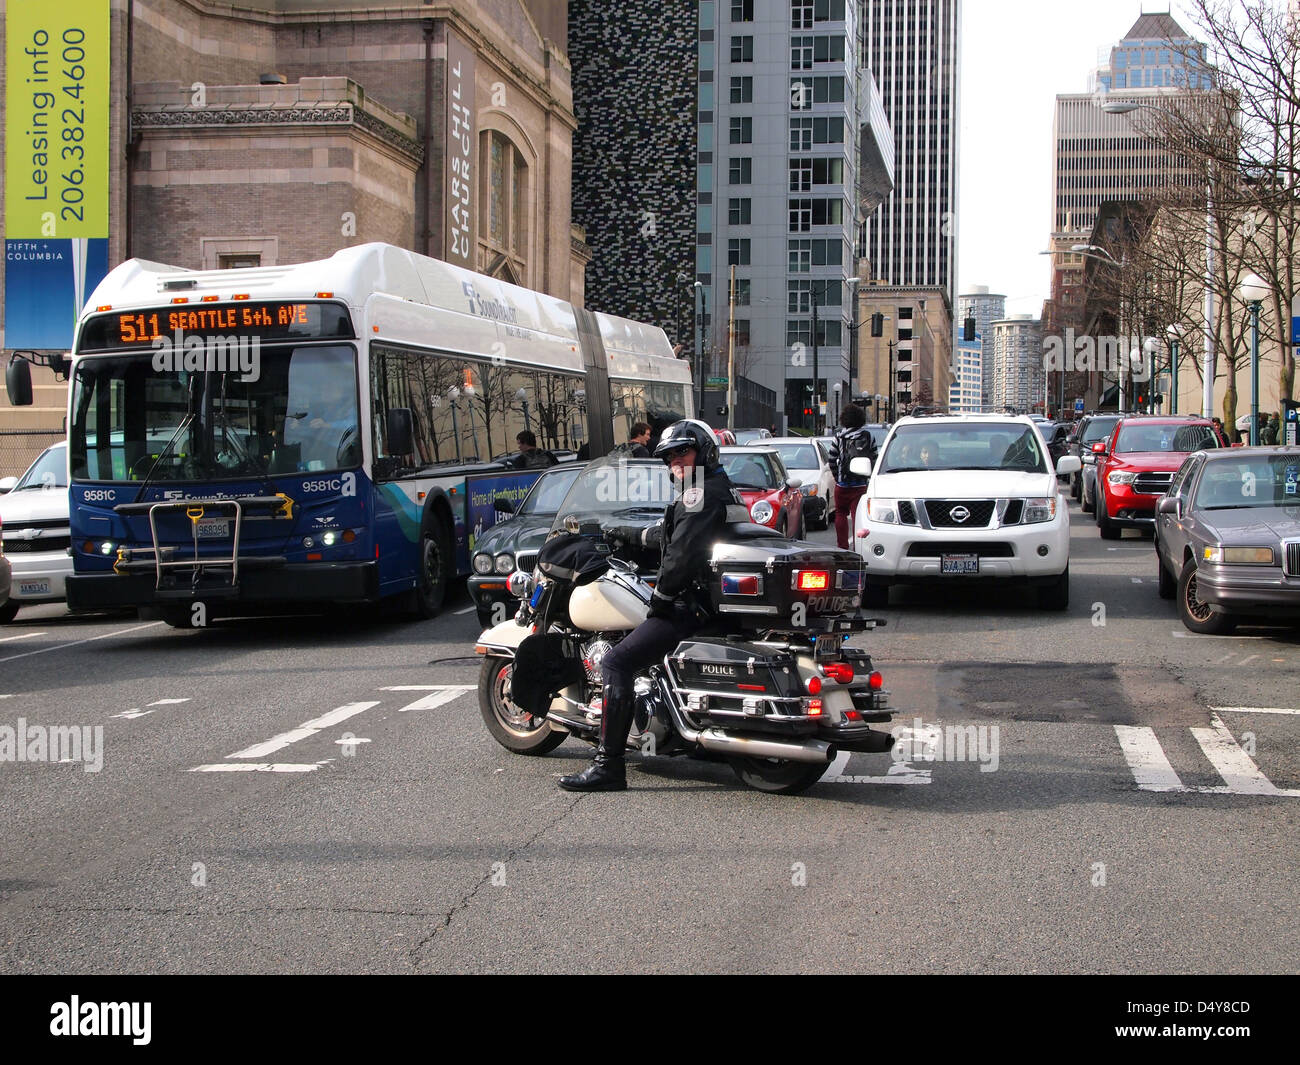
[(56, 118)]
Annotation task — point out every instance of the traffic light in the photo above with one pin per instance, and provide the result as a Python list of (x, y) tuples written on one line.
[(877, 324), (968, 329)]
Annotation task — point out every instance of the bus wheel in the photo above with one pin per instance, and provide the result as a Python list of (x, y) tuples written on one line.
[(436, 566)]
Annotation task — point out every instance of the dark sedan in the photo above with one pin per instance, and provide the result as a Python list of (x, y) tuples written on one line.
[(1228, 537), (513, 543)]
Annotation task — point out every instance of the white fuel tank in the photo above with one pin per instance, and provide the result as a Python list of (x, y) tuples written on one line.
[(606, 606)]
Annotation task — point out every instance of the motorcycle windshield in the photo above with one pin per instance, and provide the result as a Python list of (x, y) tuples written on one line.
[(614, 491)]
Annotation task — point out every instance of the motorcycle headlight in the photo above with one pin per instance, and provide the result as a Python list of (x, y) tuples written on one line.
[(1041, 509), (482, 563), (883, 510), (1120, 477), (761, 512), (505, 562)]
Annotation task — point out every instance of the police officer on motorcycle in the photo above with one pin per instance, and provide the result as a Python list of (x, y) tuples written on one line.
[(680, 605)]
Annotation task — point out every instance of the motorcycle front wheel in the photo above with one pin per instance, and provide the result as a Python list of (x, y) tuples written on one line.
[(510, 726), (777, 776)]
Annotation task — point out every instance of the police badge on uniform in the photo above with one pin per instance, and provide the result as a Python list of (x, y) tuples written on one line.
[(692, 498)]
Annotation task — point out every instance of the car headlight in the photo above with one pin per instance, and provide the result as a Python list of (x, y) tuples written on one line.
[(1041, 509), (883, 510), (482, 563), (505, 562), (808, 489), (1120, 477), (1243, 556), (761, 512)]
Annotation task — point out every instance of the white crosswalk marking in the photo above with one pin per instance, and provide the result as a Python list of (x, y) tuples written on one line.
[(1146, 758), (898, 772), (1256, 710), (307, 728), (448, 693), (261, 767), (1152, 772)]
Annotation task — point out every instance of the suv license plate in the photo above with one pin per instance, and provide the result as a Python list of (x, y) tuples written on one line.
[(33, 587), (827, 647), (959, 564), (217, 529)]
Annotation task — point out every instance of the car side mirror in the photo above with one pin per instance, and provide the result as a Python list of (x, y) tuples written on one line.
[(793, 482), (503, 504), (18, 381), (861, 466), (7, 485), (1099, 448), (1170, 505), (1068, 464)]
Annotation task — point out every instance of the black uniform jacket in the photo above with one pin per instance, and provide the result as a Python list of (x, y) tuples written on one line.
[(691, 526)]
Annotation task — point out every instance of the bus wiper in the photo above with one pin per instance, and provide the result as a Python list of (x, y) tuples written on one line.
[(189, 417)]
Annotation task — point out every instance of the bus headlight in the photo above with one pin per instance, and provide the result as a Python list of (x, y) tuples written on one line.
[(482, 563), (329, 539)]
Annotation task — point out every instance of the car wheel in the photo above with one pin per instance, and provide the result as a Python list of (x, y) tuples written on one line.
[(8, 612), (1109, 530), (1195, 612), (1076, 488), (803, 529), (1085, 504), (1165, 583), (1056, 596)]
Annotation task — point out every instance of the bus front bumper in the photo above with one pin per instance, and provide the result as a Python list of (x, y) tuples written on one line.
[(312, 582)]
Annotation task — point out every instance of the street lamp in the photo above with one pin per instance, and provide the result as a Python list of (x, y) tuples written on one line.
[(1125, 107), (699, 351), (1149, 348), (522, 395), (1174, 332), (1254, 290), (1096, 251), (837, 388)]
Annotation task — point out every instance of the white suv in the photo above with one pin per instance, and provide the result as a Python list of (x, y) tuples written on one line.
[(963, 497)]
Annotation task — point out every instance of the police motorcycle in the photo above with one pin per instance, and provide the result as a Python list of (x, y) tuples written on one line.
[(772, 688)]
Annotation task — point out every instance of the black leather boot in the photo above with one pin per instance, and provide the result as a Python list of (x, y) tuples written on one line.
[(607, 771)]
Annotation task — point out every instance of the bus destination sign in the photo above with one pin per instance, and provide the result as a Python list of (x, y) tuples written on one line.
[(279, 320)]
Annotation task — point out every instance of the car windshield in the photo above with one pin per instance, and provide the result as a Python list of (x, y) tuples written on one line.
[(964, 446), (297, 411), (750, 471), (1176, 438), (749, 436), (48, 471), (548, 492), (798, 456), (1257, 481), (609, 489), (1098, 429)]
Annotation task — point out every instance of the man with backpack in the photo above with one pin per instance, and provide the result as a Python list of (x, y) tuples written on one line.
[(852, 441)]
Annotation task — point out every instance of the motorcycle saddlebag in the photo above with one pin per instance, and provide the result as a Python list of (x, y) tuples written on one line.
[(758, 583), (735, 669), (543, 667)]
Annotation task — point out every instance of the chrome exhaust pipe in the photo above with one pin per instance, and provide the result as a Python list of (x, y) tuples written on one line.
[(816, 752)]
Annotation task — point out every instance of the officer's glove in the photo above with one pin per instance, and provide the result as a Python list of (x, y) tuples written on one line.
[(661, 606), (624, 534)]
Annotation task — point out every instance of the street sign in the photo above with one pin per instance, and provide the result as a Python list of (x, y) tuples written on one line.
[(1078, 406), (1295, 320), (716, 382), (822, 406), (1292, 425)]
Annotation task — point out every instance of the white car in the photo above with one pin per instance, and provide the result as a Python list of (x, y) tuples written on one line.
[(804, 459), (964, 497), (35, 531)]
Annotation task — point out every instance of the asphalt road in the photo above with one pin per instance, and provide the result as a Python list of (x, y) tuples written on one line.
[(386, 832)]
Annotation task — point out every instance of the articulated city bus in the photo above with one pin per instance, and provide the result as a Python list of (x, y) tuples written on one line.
[(329, 432)]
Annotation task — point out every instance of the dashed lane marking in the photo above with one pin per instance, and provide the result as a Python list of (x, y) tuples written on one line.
[(261, 767), (24, 636), (168, 702), (88, 639), (439, 698), (465, 610), (132, 714), (307, 728)]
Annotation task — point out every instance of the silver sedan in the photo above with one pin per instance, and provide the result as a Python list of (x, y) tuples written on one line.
[(1228, 537)]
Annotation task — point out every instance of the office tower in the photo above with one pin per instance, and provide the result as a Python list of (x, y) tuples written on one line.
[(913, 49), (986, 308), (1018, 377)]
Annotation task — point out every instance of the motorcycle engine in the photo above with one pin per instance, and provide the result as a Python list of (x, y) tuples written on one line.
[(593, 652)]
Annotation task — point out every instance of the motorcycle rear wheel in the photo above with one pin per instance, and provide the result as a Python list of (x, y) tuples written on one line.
[(509, 725), (777, 776)]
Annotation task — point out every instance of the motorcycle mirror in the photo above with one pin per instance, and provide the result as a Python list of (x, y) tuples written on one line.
[(572, 523)]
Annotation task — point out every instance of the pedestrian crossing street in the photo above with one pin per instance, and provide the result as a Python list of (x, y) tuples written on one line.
[(1147, 761)]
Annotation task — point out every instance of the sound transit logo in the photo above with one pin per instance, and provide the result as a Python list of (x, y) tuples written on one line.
[(212, 354)]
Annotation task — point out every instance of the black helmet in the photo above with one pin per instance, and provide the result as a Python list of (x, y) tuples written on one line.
[(689, 433)]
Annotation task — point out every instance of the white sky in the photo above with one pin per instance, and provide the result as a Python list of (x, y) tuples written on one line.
[(1016, 56)]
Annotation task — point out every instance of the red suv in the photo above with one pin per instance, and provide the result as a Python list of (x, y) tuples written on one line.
[(1135, 466)]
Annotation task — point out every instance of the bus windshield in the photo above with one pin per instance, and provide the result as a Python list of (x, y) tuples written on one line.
[(297, 411)]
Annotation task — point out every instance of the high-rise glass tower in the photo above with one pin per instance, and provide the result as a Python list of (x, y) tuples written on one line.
[(913, 49), (986, 308)]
